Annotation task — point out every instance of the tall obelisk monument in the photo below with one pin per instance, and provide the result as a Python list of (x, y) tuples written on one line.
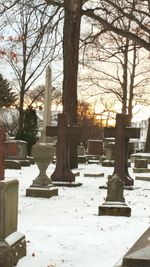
[(47, 106)]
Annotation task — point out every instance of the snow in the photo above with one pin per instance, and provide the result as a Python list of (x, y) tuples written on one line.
[(66, 231)]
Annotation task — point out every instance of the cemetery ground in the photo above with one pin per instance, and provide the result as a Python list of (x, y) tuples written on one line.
[(66, 231)]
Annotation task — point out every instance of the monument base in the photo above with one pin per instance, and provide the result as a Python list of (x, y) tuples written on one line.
[(141, 170), (44, 192), (12, 249), (66, 184), (114, 209), (139, 254)]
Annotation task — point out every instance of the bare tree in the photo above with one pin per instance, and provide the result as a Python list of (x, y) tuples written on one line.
[(116, 67), (34, 40)]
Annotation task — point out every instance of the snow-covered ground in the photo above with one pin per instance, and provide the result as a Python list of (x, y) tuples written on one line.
[(66, 231)]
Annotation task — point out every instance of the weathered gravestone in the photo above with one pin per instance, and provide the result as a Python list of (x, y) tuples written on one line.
[(115, 202), (62, 175), (139, 254), (94, 150), (12, 243), (122, 132), (17, 150), (81, 154)]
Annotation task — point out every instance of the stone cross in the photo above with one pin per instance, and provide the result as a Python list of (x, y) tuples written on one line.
[(62, 171), (47, 105), (2, 151), (122, 132), (64, 133)]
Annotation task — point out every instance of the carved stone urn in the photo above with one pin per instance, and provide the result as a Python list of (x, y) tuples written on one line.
[(43, 154), (42, 185)]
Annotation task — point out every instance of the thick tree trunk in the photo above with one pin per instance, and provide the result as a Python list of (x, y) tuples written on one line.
[(71, 35)]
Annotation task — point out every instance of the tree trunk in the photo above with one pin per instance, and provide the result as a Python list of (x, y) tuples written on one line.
[(71, 35), (131, 94)]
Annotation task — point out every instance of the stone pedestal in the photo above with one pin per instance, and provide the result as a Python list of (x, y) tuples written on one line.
[(12, 243), (42, 185), (115, 202)]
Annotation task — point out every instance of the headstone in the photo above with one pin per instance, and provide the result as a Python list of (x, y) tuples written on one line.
[(17, 150), (12, 243), (141, 163), (110, 151), (94, 150), (122, 132), (139, 254), (81, 154), (10, 239), (47, 106), (136, 156), (115, 202), (42, 185)]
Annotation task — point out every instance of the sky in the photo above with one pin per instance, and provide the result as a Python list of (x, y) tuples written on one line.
[(66, 231)]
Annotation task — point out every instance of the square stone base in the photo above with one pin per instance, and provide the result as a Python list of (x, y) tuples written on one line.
[(12, 249), (66, 184), (42, 192), (17, 243), (141, 170), (142, 178), (114, 209)]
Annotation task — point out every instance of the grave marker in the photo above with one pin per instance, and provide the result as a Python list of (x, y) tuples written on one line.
[(12, 243), (64, 132), (115, 202), (122, 132), (62, 172)]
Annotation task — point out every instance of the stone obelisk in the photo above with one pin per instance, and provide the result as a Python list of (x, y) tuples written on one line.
[(47, 106)]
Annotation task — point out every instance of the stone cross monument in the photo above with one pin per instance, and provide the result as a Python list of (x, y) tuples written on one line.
[(47, 106)]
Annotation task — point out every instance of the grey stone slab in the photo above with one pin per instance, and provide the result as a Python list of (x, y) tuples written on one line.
[(42, 192), (12, 164), (67, 184), (114, 209), (141, 170), (139, 254), (143, 178), (94, 174)]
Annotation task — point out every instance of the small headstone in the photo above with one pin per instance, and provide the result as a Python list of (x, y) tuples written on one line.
[(12, 243), (17, 150), (115, 203), (81, 154), (141, 163), (110, 151), (94, 150)]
